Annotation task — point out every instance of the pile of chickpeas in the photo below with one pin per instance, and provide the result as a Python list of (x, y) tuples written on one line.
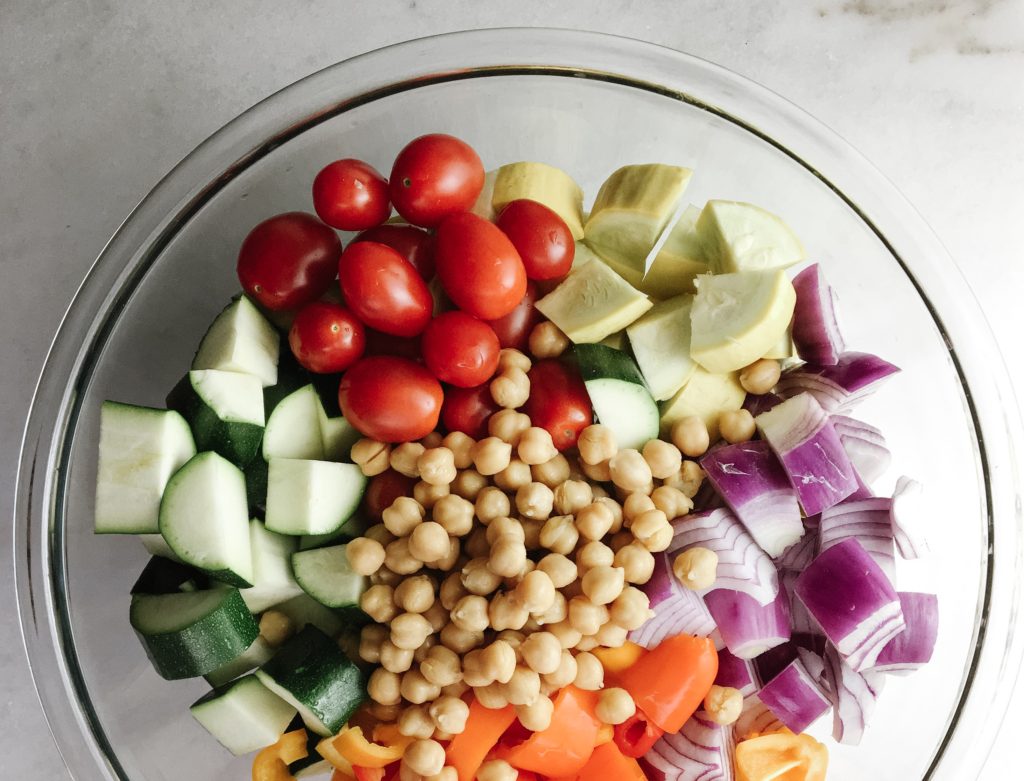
[(511, 563)]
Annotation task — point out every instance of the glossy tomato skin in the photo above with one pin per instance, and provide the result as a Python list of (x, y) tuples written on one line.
[(434, 176), (479, 268), (541, 237), (288, 260), (351, 195), (383, 489), (390, 399), (326, 337), (412, 243), (384, 290), (468, 410), (558, 401), (513, 329), (460, 349)]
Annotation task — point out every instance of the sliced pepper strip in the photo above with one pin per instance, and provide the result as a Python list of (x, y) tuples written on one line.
[(615, 660), (271, 764), (608, 762), (669, 682), (565, 747), (484, 728), (781, 756), (328, 751), (338, 775), (636, 735), (357, 750)]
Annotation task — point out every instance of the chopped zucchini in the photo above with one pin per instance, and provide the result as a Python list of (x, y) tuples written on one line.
[(241, 340), (293, 428), (252, 657), (243, 715), (618, 394), (272, 578), (325, 574), (312, 497), (661, 345)]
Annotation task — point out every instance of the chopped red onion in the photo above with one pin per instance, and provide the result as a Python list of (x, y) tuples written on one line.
[(852, 600), (747, 628), (795, 697), (756, 403), (815, 326), (907, 518), (868, 521), (799, 618), (700, 751), (677, 610), (804, 440), (863, 490), (736, 673), (912, 648), (865, 446), (800, 553), (837, 388), (755, 717), (853, 696), (754, 486)]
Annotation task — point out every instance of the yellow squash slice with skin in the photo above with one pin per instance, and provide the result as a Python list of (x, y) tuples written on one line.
[(738, 318), (679, 260), (661, 345), (737, 236), (543, 183), (705, 395)]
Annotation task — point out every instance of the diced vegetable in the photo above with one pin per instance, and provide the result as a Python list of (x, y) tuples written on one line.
[(484, 205), (356, 750), (756, 404), (841, 387), (312, 497), (737, 318), (740, 236), (140, 448), (679, 261), (756, 718), (701, 751), (564, 748), (484, 728), (252, 657), (677, 609), (636, 735), (325, 574), (338, 437), (781, 756), (748, 628), (545, 184), (608, 762), (156, 545), (294, 427), (164, 576), (752, 482), (794, 697), (865, 446), (912, 648), (736, 673), (615, 660), (804, 440), (303, 610), (853, 696), (907, 518), (705, 395), (272, 578), (271, 764), (243, 715), (866, 520), (815, 326), (618, 394), (742, 565), (661, 345), (799, 554), (853, 601), (240, 340)]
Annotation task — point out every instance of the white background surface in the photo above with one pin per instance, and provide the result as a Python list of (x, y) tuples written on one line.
[(99, 98)]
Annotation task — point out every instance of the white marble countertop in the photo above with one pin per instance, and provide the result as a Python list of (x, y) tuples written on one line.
[(99, 98)]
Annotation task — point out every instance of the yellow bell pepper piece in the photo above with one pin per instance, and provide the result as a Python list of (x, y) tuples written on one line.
[(615, 660), (327, 750), (781, 756), (271, 764), (355, 748)]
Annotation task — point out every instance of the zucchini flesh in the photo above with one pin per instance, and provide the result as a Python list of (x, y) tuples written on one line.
[(273, 581), (325, 574), (618, 394), (241, 339), (312, 497), (243, 715), (293, 428), (257, 654)]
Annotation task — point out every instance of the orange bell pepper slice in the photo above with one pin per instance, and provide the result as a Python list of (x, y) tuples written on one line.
[(565, 747), (484, 728), (271, 764), (357, 750), (669, 682), (327, 750), (615, 660), (781, 756), (337, 775)]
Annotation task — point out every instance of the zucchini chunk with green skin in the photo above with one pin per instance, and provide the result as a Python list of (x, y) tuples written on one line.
[(241, 339), (156, 545), (243, 715), (192, 633), (204, 516), (256, 474), (256, 655), (618, 394), (325, 574), (272, 578), (303, 610), (164, 576), (224, 411), (338, 436), (311, 673), (293, 428), (140, 448), (737, 236), (312, 497), (661, 345)]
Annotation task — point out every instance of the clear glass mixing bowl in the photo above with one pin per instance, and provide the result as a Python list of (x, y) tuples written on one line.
[(586, 103)]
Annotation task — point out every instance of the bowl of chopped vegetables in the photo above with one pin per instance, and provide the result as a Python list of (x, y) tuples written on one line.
[(522, 404)]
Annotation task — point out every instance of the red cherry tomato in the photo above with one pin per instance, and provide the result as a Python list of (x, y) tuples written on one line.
[(384, 290), (460, 350), (288, 260), (412, 243), (513, 329), (326, 337), (351, 195), (434, 176), (378, 343), (478, 266), (558, 401), (468, 410), (383, 489), (541, 237), (390, 399)]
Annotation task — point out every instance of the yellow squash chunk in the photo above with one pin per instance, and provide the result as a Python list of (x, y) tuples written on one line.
[(592, 303), (633, 276), (705, 395), (781, 756), (545, 184), (737, 236), (661, 345), (631, 210), (484, 206), (784, 349), (737, 318), (679, 260)]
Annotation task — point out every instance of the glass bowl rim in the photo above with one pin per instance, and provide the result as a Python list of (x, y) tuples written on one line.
[(37, 539)]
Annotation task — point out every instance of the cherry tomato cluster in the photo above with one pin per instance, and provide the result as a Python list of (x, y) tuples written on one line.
[(384, 336)]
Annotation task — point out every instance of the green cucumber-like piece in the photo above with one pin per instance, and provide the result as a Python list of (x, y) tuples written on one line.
[(256, 474), (312, 497), (164, 576), (243, 715), (293, 428), (303, 610), (156, 545), (240, 339), (618, 394), (272, 578), (252, 657), (325, 574), (192, 633)]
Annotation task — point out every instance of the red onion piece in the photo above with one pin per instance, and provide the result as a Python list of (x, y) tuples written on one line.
[(677, 610), (907, 518), (736, 673), (756, 717), (865, 446), (700, 751), (795, 697), (867, 520), (747, 628), (815, 325), (837, 388), (912, 648), (853, 696)]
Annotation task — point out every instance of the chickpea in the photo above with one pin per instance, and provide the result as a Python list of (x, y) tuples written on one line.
[(596, 444), (409, 630), (637, 563), (647, 523), (372, 457), (415, 595), (506, 613), (474, 671), (585, 616), (631, 608), (455, 689), (662, 457), (614, 507), (508, 557), (428, 542), (384, 687), (620, 540), (478, 579), (736, 425), (491, 455), (566, 672), (514, 476), (404, 457), (602, 584), (535, 592), (559, 568), (395, 659), (449, 714), (371, 637), (427, 494), (559, 534), (552, 473), (614, 706), (542, 652), (536, 446), (524, 686), (448, 773), (449, 560), (547, 340), (505, 527), (452, 590), (588, 643), (470, 613), (454, 514), (557, 612), (671, 501), (379, 533), (437, 466), (531, 533), (378, 602), (599, 473), (515, 639), (425, 757), (696, 568), (723, 704), (511, 358), (385, 713), (402, 516), (399, 559), (660, 540), (761, 376), (275, 628), (629, 470), (433, 439), (499, 660), (437, 616), (492, 697), (365, 556), (611, 635), (536, 716), (594, 521), (572, 496), (385, 577), (589, 672), (593, 554), (460, 444), (442, 666), (688, 480), (468, 483), (415, 722), (690, 435), (511, 388), (535, 501), (417, 689), (508, 425), (497, 770), (492, 503)]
